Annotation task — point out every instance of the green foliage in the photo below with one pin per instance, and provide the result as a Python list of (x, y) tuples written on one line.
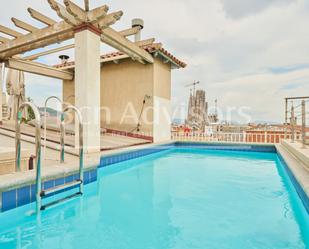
[(30, 114)]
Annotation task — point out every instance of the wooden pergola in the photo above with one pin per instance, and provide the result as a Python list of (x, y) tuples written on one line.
[(74, 18), (88, 27)]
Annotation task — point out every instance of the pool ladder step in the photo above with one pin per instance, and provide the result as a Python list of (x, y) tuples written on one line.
[(44, 207), (60, 187), (56, 189)]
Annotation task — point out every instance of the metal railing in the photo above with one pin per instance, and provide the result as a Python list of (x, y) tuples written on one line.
[(39, 193), (263, 137), (298, 117), (81, 140), (63, 105), (37, 146), (45, 118)]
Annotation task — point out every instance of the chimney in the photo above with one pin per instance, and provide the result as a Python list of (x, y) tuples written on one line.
[(137, 22), (64, 58)]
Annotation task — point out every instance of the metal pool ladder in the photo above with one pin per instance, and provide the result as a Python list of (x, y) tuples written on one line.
[(39, 192), (78, 182), (37, 146)]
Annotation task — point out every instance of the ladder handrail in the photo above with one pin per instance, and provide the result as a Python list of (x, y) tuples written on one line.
[(45, 118), (81, 140), (63, 103), (37, 146)]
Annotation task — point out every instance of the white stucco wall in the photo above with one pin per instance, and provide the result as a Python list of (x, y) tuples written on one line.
[(162, 119)]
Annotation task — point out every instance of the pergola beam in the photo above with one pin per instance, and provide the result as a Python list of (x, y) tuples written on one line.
[(3, 39), (116, 40), (53, 34), (119, 57), (10, 32), (124, 56), (40, 17), (52, 51), (63, 13), (38, 68), (97, 13), (130, 31), (56, 50), (145, 42), (75, 11), (25, 26), (109, 19)]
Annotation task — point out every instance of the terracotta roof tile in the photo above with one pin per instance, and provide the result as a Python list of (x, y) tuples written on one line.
[(153, 48)]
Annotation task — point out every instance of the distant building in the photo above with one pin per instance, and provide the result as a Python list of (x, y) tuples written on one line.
[(213, 118), (197, 117)]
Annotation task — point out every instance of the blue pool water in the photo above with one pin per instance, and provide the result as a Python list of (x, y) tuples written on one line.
[(182, 198)]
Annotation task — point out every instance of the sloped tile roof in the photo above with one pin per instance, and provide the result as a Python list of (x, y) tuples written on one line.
[(152, 49)]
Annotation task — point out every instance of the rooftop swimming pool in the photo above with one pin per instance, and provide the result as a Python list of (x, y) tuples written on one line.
[(182, 198)]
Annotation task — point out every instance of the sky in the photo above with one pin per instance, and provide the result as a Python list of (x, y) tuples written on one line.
[(248, 54)]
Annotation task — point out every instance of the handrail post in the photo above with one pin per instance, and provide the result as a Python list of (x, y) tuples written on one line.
[(81, 142), (292, 125), (81, 154), (17, 141), (45, 118), (62, 134), (37, 147), (303, 126)]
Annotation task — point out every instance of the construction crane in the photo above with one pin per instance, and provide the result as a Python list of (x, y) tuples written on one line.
[(193, 84), (216, 107)]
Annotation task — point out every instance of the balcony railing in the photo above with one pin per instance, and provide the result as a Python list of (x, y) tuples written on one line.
[(245, 137), (297, 117)]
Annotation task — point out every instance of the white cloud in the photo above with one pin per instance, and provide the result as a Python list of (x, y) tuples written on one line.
[(241, 8), (275, 37), (256, 90)]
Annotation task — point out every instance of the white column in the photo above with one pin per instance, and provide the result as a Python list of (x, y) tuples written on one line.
[(1, 89), (161, 119), (87, 86)]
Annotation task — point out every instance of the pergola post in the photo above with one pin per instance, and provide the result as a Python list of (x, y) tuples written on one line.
[(87, 84), (1, 90)]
